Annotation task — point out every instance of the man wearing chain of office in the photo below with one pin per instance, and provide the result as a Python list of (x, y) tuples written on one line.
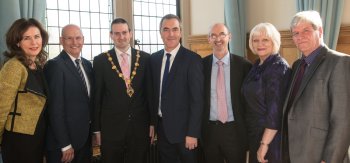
[(122, 123)]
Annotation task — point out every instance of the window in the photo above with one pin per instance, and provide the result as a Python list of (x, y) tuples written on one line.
[(147, 15), (93, 16)]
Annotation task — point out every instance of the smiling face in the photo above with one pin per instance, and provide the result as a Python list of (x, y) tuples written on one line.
[(306, 38), (31, 42), (121, 36), (262, 46), (219, 38), (170, 32), (72, 40)]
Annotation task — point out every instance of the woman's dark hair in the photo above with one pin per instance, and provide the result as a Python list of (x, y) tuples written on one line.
[(15, 34)]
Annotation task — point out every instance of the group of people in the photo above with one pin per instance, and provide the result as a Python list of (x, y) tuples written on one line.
[(128, 98)]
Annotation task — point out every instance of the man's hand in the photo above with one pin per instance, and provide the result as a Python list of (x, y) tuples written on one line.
[(191, 142), (68, 155), (151, 133)]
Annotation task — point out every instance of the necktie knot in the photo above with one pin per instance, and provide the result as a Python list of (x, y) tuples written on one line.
[(303, 63), (168, 55), (220, 63), (124, 56), (77, 61)]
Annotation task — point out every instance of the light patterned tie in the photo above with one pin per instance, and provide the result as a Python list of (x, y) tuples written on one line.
[(221, 93), (124, 65)]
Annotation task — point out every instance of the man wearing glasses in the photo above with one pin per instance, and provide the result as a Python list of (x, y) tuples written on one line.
[(223, 127)]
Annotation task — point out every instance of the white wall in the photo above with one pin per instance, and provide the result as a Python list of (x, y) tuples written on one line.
[(346, 14), (204, 13), (278, 12), (270, 11)]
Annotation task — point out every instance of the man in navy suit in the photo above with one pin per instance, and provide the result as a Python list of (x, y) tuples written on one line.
[(70, 79), (177, 78)]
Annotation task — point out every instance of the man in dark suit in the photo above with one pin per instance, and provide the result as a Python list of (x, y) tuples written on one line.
[(316, 123), (122, 123), (177, 77), (70, 78), (223, 126)]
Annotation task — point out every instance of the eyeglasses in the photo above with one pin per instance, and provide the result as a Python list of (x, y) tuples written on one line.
[(79, 38), (222, 35)]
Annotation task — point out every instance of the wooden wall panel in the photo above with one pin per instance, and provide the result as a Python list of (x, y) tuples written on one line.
[(343, 44), (200, 45)]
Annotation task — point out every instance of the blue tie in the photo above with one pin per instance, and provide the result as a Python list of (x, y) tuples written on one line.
[(165, 73)]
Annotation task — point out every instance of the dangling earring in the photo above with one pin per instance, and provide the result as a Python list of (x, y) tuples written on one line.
[(17, 44)]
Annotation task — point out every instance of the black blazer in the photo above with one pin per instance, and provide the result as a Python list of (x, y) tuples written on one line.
[(239, 68), (182, 103), (114, 110), (69, 104)]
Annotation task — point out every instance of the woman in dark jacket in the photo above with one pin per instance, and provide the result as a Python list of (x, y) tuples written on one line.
[(264, 89)]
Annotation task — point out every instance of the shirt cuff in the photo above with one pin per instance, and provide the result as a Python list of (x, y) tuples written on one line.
[(66, 148)]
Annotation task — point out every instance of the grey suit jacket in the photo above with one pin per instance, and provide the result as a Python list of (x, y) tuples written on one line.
[(319, 117)]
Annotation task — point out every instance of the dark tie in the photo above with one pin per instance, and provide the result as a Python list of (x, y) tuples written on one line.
[(296, 86), (78, 62), (166, 72), (297, 82)]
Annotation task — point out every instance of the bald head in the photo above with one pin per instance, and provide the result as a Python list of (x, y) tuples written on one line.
[(70, 27), (72, 40), (219, 37), (218, 25)]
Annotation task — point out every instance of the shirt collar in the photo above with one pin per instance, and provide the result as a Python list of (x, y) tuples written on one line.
[(118, 52), (225, 59), (174, 51), (73, 58), (310, 58)]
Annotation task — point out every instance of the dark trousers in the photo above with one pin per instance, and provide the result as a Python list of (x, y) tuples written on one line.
[(131, 149), (173, 152), (22, 148), (82, 155), (222, 144)]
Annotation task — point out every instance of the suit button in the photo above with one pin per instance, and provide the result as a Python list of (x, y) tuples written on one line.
[(129, 117)]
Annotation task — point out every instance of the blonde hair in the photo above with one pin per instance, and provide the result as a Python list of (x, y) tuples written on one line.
[(266, 29)]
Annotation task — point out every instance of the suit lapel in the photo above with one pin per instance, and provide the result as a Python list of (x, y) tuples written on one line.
[(70, 65), (133, 61), (310, 72), (234, 76), (88, 71), (115, 59), (175, 66), (157, 69), (207, 74)]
